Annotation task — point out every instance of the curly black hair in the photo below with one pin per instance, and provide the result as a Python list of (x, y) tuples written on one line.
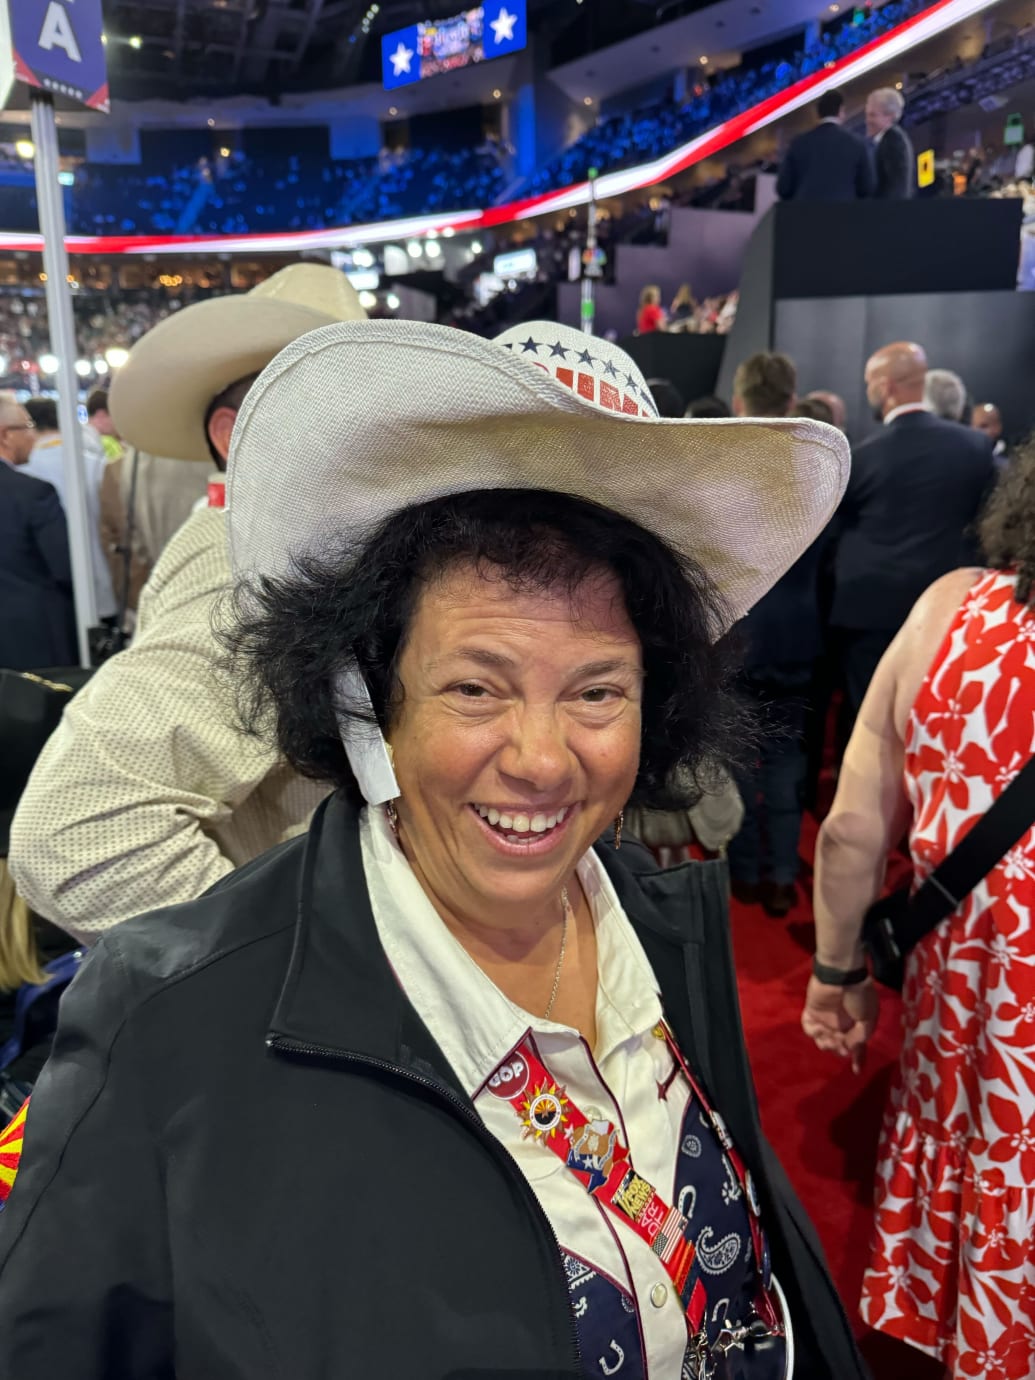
[(287, 640), (1007, 527)]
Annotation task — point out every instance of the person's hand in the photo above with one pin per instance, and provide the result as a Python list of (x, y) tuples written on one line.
[(841, 1019)]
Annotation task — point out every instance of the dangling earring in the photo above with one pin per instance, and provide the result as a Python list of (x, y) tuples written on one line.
[(393, 817), (619, 821)]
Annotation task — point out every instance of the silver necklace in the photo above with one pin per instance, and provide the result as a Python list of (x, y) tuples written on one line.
[(566, 905)]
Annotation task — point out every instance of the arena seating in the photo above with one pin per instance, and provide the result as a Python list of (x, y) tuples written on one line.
[(238, 194), (641, 135)]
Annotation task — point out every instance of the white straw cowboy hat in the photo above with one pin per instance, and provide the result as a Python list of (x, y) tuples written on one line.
[(399, 412), (160, 395)]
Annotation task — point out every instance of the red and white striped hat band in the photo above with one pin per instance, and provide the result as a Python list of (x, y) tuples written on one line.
[(357, 420)]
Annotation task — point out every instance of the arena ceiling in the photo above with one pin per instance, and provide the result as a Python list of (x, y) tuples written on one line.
[(191, 47)]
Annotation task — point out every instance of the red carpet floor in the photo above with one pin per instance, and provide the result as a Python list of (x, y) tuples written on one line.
[(822, 1120)]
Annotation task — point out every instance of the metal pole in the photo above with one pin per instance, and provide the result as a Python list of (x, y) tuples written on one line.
[(63, 345), (588, 305)]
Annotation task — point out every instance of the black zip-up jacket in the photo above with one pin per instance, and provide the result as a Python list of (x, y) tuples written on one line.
[(248, 1159)]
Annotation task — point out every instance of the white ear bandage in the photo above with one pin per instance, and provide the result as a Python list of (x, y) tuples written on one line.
[(369, 755)]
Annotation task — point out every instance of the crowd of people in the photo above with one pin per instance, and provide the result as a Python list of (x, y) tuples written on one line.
[(240, 194), (103, 321), (458, 845), (638, 136), (853, 572), (916, 600), (234, 193), (418, 648), (709, 316)]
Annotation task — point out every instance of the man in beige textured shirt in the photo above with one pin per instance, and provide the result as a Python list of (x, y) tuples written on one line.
[(147, 794)]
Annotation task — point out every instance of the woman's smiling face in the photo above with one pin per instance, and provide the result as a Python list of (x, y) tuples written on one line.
[(516, 739)]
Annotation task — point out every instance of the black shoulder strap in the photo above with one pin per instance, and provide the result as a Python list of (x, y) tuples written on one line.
[(977, 853)]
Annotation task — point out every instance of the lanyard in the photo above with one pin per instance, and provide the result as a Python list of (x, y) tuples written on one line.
[(763, 1304), (594, 1154)]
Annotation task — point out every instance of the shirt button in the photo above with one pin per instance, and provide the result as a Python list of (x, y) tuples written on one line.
[(659, 1294)]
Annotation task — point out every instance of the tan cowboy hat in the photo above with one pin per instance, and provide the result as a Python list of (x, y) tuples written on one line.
[(160, 395), (399, 412)]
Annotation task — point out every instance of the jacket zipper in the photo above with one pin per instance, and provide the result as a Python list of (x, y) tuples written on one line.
[(280, 1043)]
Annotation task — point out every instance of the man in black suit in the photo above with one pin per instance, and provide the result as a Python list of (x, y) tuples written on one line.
[(893, 151), (37, 619), (778, 642), (915, 488), (827, 163)]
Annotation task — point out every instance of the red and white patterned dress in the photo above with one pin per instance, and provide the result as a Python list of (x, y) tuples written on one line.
[(953, 1268)]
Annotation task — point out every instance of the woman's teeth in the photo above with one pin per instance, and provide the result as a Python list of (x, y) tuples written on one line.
[(519, 823)]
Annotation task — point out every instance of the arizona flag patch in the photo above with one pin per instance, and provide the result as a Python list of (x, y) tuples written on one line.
[(11, 1152)]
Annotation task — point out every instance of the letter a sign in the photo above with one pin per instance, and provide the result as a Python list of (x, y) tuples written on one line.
[(56, 45)]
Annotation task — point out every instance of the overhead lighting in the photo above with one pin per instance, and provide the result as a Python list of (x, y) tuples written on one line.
[(49, 364), (363, 258), (393, 301), (136, 41), (24, 148), (116, 356), (898, 86), (433, 250), (4, 363), (413, 249), (476, 246), (100, 365), (83, 368), (224, 152), (104, 39), (393, 110), (211, 123), (587, 100), (448, 233), (703, 60), (367, 300), (496, 94), (835, 9)]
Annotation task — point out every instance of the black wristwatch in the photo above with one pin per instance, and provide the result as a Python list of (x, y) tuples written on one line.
[(838, 977)]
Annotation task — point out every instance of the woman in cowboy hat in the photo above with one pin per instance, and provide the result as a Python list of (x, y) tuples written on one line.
[(483, 600)]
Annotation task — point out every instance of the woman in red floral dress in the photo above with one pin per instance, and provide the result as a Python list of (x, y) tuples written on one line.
[(948, 722)]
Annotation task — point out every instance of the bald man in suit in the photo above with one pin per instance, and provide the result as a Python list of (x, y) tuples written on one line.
[(916, 487)]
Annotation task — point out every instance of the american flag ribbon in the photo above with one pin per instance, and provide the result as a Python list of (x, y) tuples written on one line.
[(547, 1113)]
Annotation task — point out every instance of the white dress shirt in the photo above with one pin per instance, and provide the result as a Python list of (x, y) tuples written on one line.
[(476, 1026)]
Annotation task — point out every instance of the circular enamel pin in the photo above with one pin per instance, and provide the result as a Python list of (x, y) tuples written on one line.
[(511, 1078), (544, 1111)]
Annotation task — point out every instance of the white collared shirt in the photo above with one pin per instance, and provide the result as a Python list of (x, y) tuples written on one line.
[(901, 411), (476, 1026)]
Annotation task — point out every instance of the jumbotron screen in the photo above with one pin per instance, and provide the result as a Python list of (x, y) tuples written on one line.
[(442, 45)]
